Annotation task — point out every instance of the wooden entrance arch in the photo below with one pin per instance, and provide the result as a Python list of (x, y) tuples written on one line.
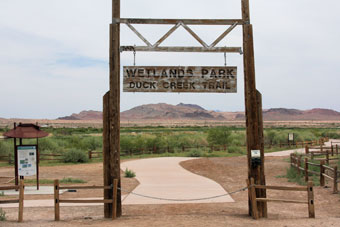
[(111, 100)]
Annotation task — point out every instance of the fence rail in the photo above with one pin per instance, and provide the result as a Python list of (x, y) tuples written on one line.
[(325, 171), (57, 199), (20, 200), (254, 200)]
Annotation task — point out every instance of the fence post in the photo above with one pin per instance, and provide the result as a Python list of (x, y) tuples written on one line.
[(56, 201), (327, 157), (21, 201), (306, 150), (252, 197), (322, 171), (335, 180), (154, 149), (183, 148), (114, 199), (299, 164), (90, 155), (306, 169), (310, 194), (332, 150)]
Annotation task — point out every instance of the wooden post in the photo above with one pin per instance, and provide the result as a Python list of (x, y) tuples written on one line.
[(114, 100), (90, 155), (56, 201), (311, 208), (336, 149), (252, 197), (327, 157), (21, 201), (299, 165), (335, 180), (322, 171), (253, 111), (16, 173), (306, 150), (306, 169), (38, 161), (106, 155), (114, 199), (332, 151)]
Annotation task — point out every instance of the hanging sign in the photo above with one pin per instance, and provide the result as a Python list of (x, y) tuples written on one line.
[(210, 79), (27, 163)]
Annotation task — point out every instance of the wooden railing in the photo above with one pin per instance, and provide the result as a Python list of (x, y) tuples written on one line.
[(57, 200), (20, 200), (254, 200), (325, 171)]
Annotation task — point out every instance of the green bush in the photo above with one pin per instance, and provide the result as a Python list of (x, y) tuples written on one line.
[(75, 156), (218, 136), (235, 149), (6, 148), (129, 173), (195, 153)]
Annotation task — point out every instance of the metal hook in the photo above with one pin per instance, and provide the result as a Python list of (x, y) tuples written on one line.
[(134, 57), (225, 59)]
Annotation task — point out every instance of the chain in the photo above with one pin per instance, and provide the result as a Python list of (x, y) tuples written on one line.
[(184, 200), (134, 57), (225, 59)]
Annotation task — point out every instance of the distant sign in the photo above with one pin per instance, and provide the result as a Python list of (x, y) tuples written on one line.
[(27, 162), (202, 79), (291, 136)]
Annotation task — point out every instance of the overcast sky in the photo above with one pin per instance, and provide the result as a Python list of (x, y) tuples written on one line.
[(54, 53)]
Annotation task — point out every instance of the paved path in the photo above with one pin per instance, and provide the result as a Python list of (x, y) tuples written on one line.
[(165, 178)]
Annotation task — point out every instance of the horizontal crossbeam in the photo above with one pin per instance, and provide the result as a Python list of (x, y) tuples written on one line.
[(176, 21), (182, 49)]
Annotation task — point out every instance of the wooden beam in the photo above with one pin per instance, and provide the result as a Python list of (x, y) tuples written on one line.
[(280, 200), (115, 102), (176, 21), (182, 49), (139, 35), (281, 188), (174, 28), (224, 34), (194, 35), (106, 155)]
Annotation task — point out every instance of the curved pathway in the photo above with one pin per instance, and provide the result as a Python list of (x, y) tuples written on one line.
[(165, 178)]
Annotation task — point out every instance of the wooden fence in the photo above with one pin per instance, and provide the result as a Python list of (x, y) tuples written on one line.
[(254, 200), (57, 200), (20, 200), (325, 171)]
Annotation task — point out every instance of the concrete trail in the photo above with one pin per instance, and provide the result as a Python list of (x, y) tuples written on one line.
[(165, 178)]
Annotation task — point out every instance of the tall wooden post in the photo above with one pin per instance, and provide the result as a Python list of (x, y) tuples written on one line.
[(16, 173), (112, 137), (253, 111)]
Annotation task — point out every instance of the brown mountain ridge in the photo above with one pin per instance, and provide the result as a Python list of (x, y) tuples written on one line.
[(163, 111)]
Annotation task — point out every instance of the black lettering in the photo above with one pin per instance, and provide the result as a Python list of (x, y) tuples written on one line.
[(173, 72), (204, 72), (192, 85), (212, 73), (131, 72), (138, 85), (164, 73), (205, 85), (179, 85), (141, 72), (185, 85), (230, 72), (221, 73), (181, 73), (190, 72), (145, 85), (132, 85), (173, 85), (153, 85), (166, 84), (218, 85), (211, 85)]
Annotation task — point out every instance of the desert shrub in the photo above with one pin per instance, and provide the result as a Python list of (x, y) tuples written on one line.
[(48, 145), (218, 136), (74, 156), (195, 153), (2, 215), (237, 139), (129, 173), (91, 143), (235, 149), (6, 148)]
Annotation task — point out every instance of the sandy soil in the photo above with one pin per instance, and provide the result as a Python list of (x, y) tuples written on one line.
[(229, 172)]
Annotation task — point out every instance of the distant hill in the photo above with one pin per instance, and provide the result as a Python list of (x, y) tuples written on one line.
[(84, 115), (163, 111)]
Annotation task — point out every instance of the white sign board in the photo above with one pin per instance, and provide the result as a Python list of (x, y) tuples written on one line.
[(27, 162), (291, 136), (255, 154)]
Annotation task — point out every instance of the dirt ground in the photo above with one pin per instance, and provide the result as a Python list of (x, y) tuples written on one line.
[(229, 172)]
